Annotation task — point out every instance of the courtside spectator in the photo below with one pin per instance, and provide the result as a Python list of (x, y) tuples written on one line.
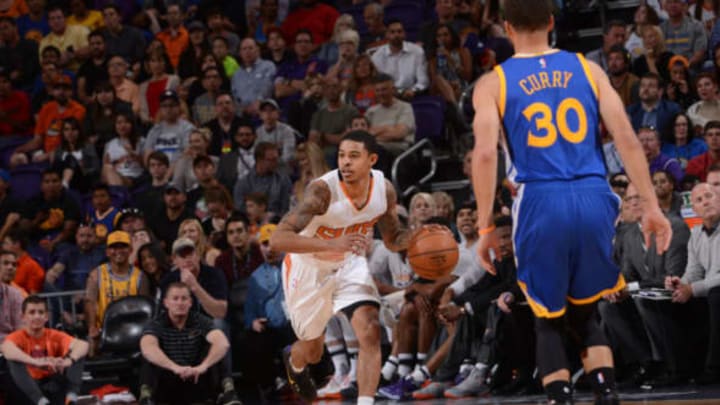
[(614, 34), (11, 298), (126, 41), (373, 15), (156, 66), (166, 218), (404, 61), (77, 261), (224, 126), (19, 56), (203, 108), (278, 133), (175, 37), (14, 107), (71, 40), (318, 16), (290, 80), (684, 35), (265, 178), (253, 82), (652, 110), (94, 70), (171, 134), (46, 365)]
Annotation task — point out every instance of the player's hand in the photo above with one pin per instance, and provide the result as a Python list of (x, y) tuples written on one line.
[(654, 223), (505, 300), (682, 293), (484, 245), (354, 242), (672, 282), (449, 312)]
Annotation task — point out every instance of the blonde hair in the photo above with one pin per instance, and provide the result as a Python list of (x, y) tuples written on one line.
[(318, 166), (349, 36), (201, 245), (660, 46), (440, 198), (204, 132), (420, 196), (344, 19)]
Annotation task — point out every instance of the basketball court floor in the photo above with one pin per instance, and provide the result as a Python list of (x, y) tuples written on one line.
[(682, 395)]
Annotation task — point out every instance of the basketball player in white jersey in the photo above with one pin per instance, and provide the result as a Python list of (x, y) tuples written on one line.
[(325, 270)]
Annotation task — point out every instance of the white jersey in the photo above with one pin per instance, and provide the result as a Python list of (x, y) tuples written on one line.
[(343, 217)]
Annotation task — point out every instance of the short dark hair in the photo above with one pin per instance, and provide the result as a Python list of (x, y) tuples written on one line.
[(160, 157), (393, 20), (49, 49), (20, 237), (101, 187), (220, 38), (466, 206), (33, 299), (654, 76), (4, 252), (263, 147), (360, 117), (715, 167), (382, 78), (97, 33), (711, 125), (304, 31), (56, 7), (503, 220), (52, 170), (623, 52), (237, 216), (258, 197), (113, 6), (363, 137), (613, 24), (178, 285), (667, 174), (210, 69), (526, 15), (223, 93)]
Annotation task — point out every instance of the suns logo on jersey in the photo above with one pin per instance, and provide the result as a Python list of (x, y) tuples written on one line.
[(325, 232)]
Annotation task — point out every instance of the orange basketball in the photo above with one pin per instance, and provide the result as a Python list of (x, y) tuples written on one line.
[(433, 252)]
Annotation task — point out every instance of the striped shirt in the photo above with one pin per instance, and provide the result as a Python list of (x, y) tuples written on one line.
[(187, 346)]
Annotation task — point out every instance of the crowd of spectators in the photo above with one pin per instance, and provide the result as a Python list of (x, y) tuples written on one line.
[(168, 137)]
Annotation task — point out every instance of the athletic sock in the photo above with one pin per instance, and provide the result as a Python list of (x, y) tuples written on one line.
[(365, 400), (389, 368), (405, 361), (482, 367), (353, 353), (602, 380), (420, 374), (339, 359), (559, 391), (420, 358)]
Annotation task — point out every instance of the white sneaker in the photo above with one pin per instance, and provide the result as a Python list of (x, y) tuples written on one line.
[(333, 388)]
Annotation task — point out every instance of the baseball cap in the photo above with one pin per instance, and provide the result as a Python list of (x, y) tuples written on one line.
[(269, 102), (129, 213), (182, 244), (169, 95), (117, 237), (195, 25), (265, 232), (172, 186)]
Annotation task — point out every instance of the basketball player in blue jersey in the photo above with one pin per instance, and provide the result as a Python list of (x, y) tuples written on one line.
[(549, 104)]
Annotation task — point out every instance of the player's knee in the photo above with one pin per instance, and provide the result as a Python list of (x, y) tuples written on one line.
[(408, 312), (367, 329), (584, 320)]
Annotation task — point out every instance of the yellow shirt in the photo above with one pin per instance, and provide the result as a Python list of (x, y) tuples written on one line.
[(93, 21), (74, 35), (112, 287)]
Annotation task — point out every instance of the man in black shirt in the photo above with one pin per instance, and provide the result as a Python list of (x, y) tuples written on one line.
[(183, 350), (52, 216), (166, 219), (94, 70), (9, 208), (224, 126), (19, 56)]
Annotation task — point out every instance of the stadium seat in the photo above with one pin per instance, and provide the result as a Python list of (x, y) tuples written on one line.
[(8, 146), (120, 358), (25, 180), (410, 13), (429, 118)]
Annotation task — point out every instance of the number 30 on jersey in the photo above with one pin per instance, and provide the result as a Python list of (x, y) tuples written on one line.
[(551, 123)]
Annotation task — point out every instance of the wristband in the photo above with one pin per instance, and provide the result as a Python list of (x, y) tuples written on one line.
[(487, 230)]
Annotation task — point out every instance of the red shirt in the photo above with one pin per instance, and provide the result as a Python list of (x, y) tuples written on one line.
[(318, 19), (51, 343), (17, 108), (30, 275), (49, 122), (152, 96), (699, 165)]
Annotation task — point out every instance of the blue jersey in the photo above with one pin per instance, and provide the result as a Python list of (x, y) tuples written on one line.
[(549, 109)]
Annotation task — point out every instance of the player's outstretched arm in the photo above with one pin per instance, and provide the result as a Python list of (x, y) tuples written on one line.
[(395, 235), (286, 237), (633, 157), (486, 128), (316, 200)]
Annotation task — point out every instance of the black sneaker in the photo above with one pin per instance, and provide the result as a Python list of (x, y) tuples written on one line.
[(323, 371), (302, 383), (351, 392), (609, 398), (228, 398)]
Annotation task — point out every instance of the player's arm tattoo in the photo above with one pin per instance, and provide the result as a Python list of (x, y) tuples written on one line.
[(315, 202), (395, 235)]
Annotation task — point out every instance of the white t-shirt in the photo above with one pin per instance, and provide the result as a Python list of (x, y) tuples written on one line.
[(389, 267), (120, 159)]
